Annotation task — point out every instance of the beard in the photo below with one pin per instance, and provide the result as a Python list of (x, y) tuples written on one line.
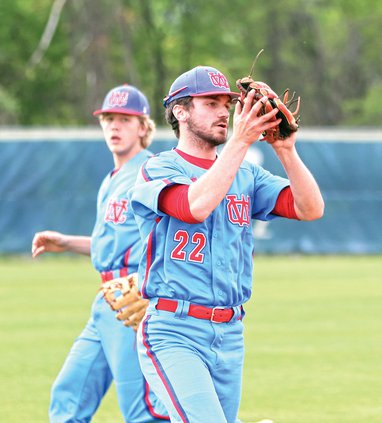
[(203, 135)]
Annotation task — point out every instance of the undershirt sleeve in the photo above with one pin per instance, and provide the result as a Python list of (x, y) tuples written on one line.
[(173, 200), (284, 206)]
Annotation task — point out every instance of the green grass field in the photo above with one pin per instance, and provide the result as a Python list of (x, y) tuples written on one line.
[(313, 337)]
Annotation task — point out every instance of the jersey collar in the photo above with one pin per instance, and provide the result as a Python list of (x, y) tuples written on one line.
[(197, 161)]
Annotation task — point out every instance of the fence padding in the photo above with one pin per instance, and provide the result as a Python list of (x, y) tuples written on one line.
[(53, 185)]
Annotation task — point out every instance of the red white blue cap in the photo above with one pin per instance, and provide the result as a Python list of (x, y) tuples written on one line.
[(126, 100), (200, 81)]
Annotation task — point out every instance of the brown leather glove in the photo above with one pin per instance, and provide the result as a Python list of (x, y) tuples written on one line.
[(129, 304)]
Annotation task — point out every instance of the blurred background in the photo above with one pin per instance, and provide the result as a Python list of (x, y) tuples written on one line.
[(313, 338), (58, 59)]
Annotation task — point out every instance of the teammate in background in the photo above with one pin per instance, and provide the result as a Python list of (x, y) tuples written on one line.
[(106, 349), (193, 209)]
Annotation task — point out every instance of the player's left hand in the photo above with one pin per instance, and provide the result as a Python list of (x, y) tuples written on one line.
[(281, 143), (249, 122), (129, 304)]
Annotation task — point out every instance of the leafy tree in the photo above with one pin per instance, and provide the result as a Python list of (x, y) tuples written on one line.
[(328, 52)]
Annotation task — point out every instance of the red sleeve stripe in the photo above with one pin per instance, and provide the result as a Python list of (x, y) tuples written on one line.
[(145, 174)]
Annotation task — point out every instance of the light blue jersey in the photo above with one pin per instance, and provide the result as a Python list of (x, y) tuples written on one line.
[(115, 238), (106, 350), (207, 263), (190, 272)]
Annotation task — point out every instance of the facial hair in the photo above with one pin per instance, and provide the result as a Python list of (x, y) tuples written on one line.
[(202, 135)]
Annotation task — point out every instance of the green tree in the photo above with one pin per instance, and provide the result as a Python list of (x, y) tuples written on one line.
[(326, 51)]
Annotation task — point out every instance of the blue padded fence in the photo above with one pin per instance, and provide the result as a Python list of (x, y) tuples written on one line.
[(49, 180)]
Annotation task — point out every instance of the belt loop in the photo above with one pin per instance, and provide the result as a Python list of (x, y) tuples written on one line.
[(182, 309), (236, 314), (152, 309)]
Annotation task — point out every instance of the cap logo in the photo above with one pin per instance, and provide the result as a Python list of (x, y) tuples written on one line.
[(218, 80), (118, 99)]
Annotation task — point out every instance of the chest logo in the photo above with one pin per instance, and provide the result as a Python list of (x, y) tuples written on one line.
[(116, 211), (238, 209)]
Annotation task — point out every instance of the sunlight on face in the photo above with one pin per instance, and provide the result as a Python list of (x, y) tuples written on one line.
[(122, 133)]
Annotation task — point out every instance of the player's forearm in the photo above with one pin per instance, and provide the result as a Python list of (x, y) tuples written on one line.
[(207, 192), (78, 244), (308, 201)]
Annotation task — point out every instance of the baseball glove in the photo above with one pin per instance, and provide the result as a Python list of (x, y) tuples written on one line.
[(289, 123), (123, 296), (289, 120)]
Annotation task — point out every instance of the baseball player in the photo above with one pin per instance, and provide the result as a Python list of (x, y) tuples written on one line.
[(106, 349), (194, 211)]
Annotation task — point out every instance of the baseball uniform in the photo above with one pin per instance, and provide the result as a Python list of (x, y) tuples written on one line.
[(197, 276), (106, 349)]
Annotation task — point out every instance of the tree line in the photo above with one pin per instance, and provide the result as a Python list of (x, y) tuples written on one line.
[(58, 58)]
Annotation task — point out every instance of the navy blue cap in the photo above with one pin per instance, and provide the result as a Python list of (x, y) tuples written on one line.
[(200, 81), (126, 100)]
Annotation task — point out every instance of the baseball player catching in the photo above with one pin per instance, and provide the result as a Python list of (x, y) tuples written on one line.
[(106, 349), (194, 211)]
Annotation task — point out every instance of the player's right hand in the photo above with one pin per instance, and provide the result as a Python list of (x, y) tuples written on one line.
[(48, 241), (249, 123)]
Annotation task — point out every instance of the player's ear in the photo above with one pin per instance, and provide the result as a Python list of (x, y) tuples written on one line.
[(143, 127), (180, 113)]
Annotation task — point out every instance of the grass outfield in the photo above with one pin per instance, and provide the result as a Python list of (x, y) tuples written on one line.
[(313, 337)]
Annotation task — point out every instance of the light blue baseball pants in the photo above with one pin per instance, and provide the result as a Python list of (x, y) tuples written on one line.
[(104, 351), (193, 365)]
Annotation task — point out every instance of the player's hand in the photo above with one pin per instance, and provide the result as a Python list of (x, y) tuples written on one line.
[(249, 123), (48, 241), (281, 143)]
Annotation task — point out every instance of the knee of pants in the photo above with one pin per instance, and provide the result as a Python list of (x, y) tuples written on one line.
[(77, 392)]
